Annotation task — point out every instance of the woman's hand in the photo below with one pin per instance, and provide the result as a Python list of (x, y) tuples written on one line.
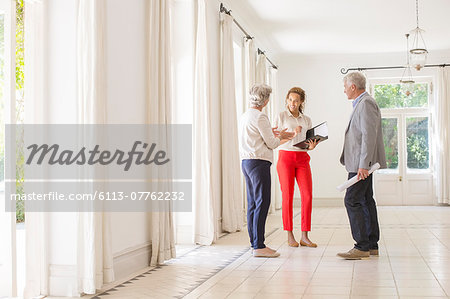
[(312, 143), (286, 135), (298, 129), (275, 132)]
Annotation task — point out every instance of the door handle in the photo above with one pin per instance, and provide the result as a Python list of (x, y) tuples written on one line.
[(400, 178)]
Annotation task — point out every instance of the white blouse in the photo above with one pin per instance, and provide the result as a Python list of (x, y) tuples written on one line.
[(256, 139), (286, 120)]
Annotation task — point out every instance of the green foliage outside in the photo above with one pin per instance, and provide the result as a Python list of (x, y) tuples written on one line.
[(395, 95), (417, 142), (405, 96), (19, 76), (20, 209), (390, 133)]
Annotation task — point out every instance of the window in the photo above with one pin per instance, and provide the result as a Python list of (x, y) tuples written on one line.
[(402, 95), (405, 122)]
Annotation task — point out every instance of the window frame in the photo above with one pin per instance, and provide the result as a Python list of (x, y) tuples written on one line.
[(403, 113)]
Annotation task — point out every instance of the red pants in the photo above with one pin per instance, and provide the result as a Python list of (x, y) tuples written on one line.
[(295, 165)]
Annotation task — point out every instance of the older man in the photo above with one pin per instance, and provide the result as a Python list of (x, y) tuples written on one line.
[(363, 147)]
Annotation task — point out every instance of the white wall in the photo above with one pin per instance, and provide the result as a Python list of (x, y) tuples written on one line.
[(126, 45), (126, 61), (320, 77)]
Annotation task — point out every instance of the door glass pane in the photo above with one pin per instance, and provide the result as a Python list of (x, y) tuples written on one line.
[(390, 138), (417, 142), (402, 95)]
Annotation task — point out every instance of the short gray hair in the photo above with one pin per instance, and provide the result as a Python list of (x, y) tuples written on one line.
[(259, 94), (356, 78)]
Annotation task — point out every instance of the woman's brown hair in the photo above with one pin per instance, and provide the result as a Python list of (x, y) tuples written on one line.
[(302, 95)]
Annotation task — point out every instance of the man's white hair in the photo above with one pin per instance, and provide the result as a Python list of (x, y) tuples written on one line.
[(356, 78)]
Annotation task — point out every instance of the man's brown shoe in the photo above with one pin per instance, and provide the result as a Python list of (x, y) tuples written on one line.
[(373, 252), (354, 254)]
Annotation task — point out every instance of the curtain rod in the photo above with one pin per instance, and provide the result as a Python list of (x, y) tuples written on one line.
[(345, 71), (263, 52), (247, 36)]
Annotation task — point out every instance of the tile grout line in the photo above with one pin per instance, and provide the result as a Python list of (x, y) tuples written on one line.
[(266, 236), (321, 257), (228, 263), (390, 264), (443, 289), (427, 263)]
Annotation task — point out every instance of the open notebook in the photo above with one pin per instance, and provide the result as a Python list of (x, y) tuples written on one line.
[(319, 132)]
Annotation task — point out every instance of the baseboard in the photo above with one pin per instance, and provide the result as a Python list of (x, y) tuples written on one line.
[(131, 260), (62, 281), (322, 202), (63, 278)]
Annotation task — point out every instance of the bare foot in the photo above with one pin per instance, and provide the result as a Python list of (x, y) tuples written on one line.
[(291, 240), (305, 241)]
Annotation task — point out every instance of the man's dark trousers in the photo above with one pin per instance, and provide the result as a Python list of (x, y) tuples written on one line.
[(362, 213)]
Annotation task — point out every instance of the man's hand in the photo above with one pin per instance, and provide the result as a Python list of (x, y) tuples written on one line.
[(363, 173)]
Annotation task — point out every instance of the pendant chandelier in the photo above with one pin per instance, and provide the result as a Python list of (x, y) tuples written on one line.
[(407, 79), (418, 52)]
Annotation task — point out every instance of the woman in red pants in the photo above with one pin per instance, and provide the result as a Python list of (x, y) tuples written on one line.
[(293, 164)]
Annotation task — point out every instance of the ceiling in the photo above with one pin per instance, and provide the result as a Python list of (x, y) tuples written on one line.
[(344, 26)]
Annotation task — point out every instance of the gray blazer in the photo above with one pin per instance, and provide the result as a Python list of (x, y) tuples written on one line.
[(363, 145)]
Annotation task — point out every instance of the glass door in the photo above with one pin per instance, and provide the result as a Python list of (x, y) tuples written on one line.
[(388, 182), (408, 179)]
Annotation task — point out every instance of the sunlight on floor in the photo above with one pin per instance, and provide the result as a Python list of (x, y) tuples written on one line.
[(414, 262)]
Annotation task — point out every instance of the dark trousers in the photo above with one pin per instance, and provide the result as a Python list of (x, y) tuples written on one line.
[(257, 178), (362, 213)]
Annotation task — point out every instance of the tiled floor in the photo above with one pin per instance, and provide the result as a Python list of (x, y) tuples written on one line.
[(414, 262)]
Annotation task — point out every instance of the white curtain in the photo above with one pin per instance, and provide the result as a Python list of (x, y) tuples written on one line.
[(36, 233), (263, 75), (94, 244), (274, 110), (442, 137), (250, 65), (158, 107), (232, 218), (203, 195), (261, 69)]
